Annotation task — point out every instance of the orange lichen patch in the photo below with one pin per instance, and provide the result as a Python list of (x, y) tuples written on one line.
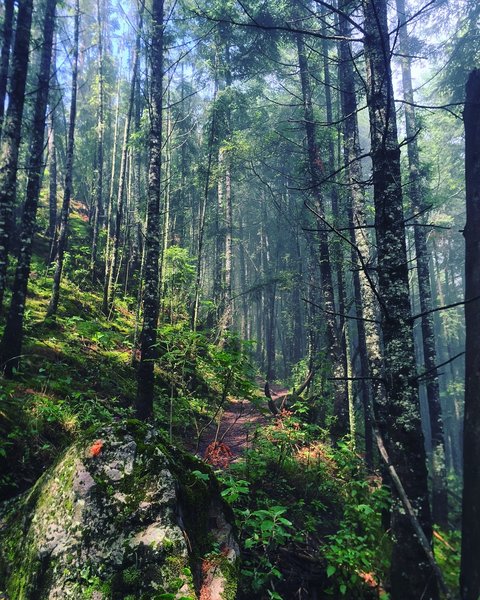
[(96, 448), (218, 454)]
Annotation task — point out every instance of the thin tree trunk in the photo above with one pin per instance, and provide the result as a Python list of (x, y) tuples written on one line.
[(338, 259), (399, 416), (52, 188), (227, 301), (137, 243), (333, 343), (148, 352), (7, 31), (202, 215), (109, 290), (166, 208), (370, 354), (67, 192), (10, 347), (110, 201), (98, 208), (469, 571), (11, 135), (417, 195)]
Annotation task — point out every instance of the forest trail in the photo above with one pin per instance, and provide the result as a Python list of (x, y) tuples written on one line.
[(222, 445)]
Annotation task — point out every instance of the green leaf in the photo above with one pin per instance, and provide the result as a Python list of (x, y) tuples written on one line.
[(331, 570), (201, 476)]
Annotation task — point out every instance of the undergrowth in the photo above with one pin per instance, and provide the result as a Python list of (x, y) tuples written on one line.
[(309, 516)]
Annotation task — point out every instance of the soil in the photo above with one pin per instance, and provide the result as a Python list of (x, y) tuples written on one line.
[(224, 443)]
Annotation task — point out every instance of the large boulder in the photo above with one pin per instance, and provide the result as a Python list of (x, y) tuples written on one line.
[(122, 515)]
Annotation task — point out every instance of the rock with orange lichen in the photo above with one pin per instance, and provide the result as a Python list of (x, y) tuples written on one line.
[(115, 518)]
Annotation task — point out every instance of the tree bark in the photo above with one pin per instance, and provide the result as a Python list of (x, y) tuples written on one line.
[(10, 347), (399, 416), (417, 195), (363, 293), (98, 216), (7, 31), (333, 342), (67, 192), (113, 259), (11, 134), (151, 301), (469, 571), (52, 188)]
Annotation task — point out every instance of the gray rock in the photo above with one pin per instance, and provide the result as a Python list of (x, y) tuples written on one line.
[(105, 523)]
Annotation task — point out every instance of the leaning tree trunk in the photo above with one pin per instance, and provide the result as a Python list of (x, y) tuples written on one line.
[(67, 192), (399, 416), (5, 53), (10, 347), (151, 300), (333, 342), (469, 571), (11, 134), (417, 195)]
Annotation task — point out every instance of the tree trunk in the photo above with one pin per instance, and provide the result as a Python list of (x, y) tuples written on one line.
[(10, 347), (399, 416), (369, 353), (11, 134), (7, 31), (67, 192), (113, 259), (52, 188), (98, 215), (417, 195), (469, 571), (333, 343), (202, 214), (148, 352)]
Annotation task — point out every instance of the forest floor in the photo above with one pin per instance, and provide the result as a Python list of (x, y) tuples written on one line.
[(224, 441)]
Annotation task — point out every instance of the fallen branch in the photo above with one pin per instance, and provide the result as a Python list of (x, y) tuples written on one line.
[(422, 538)]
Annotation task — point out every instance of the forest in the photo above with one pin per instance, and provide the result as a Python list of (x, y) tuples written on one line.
[(240, 299)]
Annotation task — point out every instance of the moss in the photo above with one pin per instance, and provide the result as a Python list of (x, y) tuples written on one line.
[(166, 571)]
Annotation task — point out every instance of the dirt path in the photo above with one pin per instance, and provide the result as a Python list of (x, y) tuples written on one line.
[(224, 444)]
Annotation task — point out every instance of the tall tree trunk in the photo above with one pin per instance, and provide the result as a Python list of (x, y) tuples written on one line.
[(10, 347), (333, 342), (227, 306), (202, 214), (417, 195), (364, 297), (52, 187), (469, 571), (151, 302), (137, 242), (7, 31), (98, 215), (67, 191), (108, 242), (11, 134), (337, 245), (399, 416), (113, 259)]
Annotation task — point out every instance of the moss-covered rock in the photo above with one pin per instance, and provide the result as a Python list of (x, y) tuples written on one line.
[(122, 515)]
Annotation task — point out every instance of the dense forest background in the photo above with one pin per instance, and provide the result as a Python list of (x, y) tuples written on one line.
[(200, 198)]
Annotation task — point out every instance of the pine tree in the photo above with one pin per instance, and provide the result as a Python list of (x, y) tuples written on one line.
[(151, 296)]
